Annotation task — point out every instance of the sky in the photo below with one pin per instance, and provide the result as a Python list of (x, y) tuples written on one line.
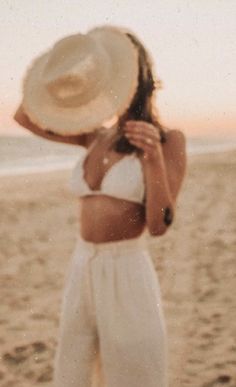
[(192, 43)]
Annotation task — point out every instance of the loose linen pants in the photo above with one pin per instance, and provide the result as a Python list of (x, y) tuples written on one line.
[(112, 330)]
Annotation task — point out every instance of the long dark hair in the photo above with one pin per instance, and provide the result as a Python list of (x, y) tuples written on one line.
[(141, 107)]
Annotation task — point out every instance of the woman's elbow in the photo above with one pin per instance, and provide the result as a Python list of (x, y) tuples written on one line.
[(157, 227), (157, 230)]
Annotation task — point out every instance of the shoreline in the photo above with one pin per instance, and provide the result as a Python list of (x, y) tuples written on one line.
[(68, 164)]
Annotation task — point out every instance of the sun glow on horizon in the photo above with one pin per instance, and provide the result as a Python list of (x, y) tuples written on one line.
[(192, 45)]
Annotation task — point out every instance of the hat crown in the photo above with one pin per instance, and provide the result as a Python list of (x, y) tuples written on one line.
[(76, 66), (81, 82)]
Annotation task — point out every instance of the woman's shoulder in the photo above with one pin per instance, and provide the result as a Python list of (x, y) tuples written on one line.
[(175, 144), (175, 135), (174, 151)]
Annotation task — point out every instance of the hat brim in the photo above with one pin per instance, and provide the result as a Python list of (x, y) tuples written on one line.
[(114, 99)]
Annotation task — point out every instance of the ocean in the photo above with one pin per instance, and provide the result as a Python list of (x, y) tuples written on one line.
[(31, 154)]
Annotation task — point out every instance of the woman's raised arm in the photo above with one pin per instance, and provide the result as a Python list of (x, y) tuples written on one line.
[(22, 119)]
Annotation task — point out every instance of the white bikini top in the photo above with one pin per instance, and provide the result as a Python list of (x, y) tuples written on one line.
[(123, 180)]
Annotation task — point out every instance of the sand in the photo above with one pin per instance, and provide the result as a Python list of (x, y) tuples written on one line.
[(195, 263)]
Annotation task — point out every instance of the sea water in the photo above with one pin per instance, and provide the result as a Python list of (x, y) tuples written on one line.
[(31, 154)]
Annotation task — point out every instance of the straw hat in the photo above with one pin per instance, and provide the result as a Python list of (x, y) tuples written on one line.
[(84, 80)]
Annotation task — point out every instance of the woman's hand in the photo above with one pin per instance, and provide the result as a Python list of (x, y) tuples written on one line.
[(144, 135), (159, 202)]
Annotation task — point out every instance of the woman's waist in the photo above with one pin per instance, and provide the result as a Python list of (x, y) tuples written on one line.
[(106, 231), (106, 222)]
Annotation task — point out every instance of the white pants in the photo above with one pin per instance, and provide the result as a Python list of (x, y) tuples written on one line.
[(112, 328)]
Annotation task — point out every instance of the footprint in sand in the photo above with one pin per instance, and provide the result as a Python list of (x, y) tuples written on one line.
[(204, 320), (206, 295), (21, 353), (233, 348), (207, 335), (29, 375), (216, 315), (39, 346), (217, 329), (233, 362), (2, 374), (218, 243), (223, 379), (46, 375), (219, 365), (37, 316)]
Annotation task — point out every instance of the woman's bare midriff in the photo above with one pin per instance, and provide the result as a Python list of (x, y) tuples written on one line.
[(104, 218)]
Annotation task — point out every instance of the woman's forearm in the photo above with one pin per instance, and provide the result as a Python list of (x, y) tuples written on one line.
[(22, 119), (159, 202)]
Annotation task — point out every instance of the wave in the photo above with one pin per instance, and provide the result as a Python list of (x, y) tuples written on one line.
[(37, 158)]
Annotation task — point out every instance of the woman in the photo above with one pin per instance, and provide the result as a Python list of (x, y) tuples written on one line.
[(112, 329)]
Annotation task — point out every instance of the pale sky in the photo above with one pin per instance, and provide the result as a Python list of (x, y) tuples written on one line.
[(192, 43)]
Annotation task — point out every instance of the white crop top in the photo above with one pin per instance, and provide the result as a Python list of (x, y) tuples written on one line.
[(123, 180)]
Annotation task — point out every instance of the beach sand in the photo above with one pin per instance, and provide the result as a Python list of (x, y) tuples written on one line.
[(195, 263)]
